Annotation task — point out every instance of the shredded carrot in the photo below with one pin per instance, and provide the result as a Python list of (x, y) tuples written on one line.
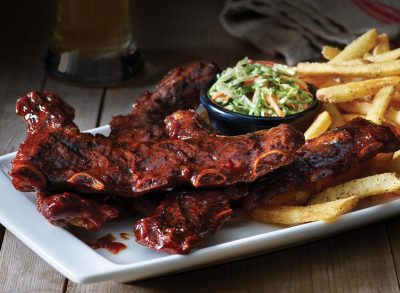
[(217, 95), (304, 88), (274, 105), (250, 80), (226, 99)]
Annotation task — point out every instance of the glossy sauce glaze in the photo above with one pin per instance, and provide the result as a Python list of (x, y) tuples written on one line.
[(108, 242)]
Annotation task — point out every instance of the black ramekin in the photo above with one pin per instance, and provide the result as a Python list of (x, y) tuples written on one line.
[(231, 123)]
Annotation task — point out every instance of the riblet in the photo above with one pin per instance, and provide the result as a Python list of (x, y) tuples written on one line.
[(186, 219), (324, 158), (55, 159), (89, 212), (170, 228), (178, 90)]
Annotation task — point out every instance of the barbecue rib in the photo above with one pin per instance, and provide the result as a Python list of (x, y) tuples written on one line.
[(56, 157), (186, 219), (324, 158), (89, 212), (178, 90)]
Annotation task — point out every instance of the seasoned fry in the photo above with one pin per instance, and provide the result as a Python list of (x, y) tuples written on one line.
[(372, 70), (380, 104), (292, 215), (330, 52), (319, 126), (361, 108), (349, 117), (382, 45), (393, 116), (328, 82), (363, 187), (354, 62), (337, 119), (353, 90), (358, 47), (384, 57)]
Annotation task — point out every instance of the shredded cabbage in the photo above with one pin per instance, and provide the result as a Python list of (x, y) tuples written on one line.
[(261, 88)]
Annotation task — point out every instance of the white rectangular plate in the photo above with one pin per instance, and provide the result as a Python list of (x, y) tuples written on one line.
[(68, 253)]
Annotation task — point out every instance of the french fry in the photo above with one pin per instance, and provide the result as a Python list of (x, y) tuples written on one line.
[(337, 119), (292, 215), (358, 47), (380, 104), (330, 52), (393, 116), (382, 45), (363, 187), (319, 126), (357, 61), (384, 57), (361, 108), (354, 90), (328, 82), (371, 70), (349, 117)]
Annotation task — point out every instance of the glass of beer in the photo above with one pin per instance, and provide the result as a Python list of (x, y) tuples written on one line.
[(92, 43)]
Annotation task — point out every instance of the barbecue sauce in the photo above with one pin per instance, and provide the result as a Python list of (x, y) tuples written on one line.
[(108, 242)]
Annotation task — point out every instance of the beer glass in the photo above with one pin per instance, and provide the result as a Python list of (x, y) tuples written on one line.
[(92, 43)]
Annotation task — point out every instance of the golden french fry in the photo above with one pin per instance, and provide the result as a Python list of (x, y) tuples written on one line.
[(319, 126), (393, 116), (355, 107), (328, 82), (371, 70), (292, 215), (382, 45), (354, 90), (359, 109), (380, 104), (363, 187), (384, 57), (357, 61), (358, 47), (337, 119), (330, 52), (349, 117)]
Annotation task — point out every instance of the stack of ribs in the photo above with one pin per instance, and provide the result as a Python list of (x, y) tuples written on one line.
[(165, 165)]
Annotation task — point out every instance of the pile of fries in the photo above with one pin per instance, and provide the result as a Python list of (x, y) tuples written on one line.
[(362, 80)]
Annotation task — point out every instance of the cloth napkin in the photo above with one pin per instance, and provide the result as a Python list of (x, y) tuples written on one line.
[(297, 29)]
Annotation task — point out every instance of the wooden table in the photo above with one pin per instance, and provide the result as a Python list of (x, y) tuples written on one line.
[(170, 34)]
